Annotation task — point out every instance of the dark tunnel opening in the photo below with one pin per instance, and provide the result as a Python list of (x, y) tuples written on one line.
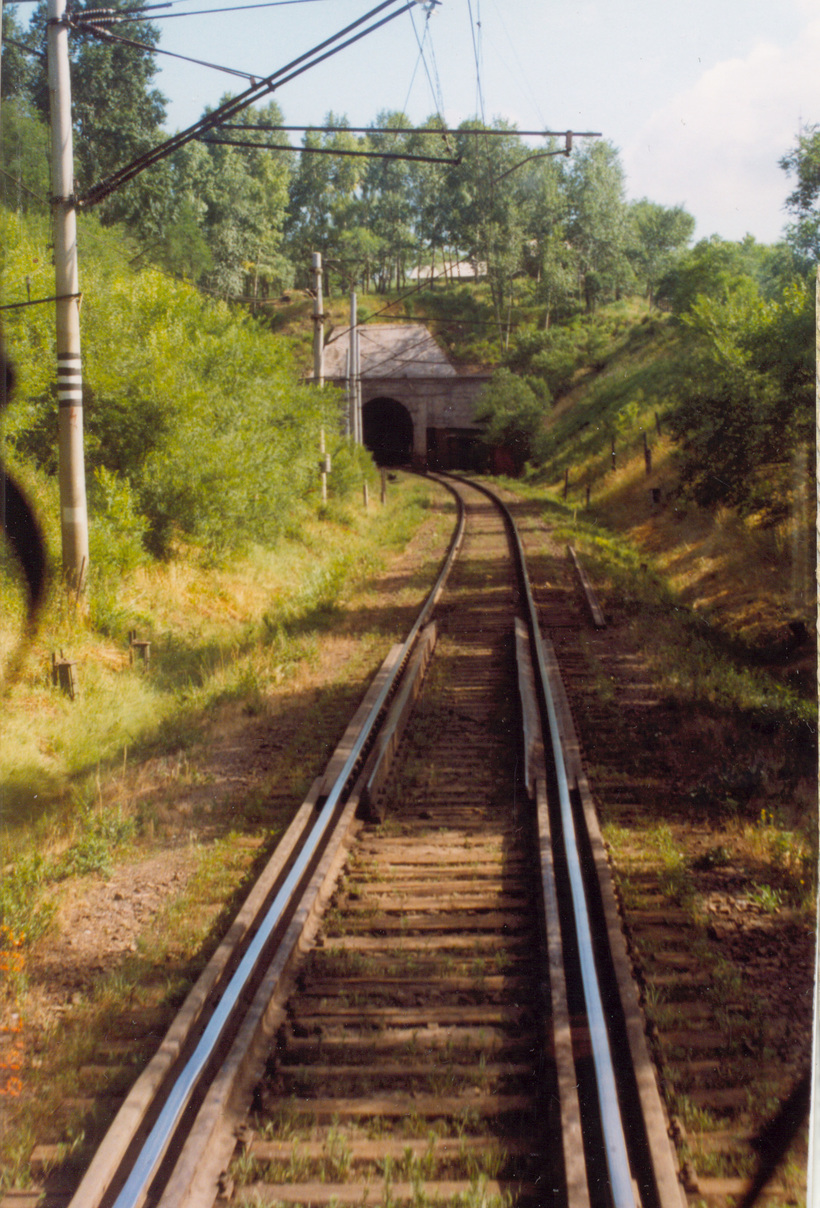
[(387, 429)]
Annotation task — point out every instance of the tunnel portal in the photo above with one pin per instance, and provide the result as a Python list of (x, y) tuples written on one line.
[(388, 431)]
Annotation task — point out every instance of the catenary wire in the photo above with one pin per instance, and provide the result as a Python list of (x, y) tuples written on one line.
[(205, 12), (235, 105), (521, 78), (19, 184), (431, 130), (420, 59), (106, 35), (422, 159)]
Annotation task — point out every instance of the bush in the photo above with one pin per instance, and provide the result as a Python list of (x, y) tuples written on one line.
[(514, 416), (197, 425)]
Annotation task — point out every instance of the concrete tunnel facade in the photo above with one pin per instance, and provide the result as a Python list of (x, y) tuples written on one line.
[(417, 408)]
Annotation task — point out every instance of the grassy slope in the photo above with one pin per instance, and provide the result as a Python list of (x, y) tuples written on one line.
[(746, 579)]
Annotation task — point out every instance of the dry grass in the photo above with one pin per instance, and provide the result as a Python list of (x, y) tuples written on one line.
[(255, 671), (748, 579)]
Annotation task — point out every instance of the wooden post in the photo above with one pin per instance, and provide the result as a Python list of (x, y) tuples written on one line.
[(322, 464), (384, 485), (365, 496), (647, 455)]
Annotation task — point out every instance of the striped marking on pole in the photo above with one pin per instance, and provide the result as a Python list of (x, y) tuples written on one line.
[(69, 379)]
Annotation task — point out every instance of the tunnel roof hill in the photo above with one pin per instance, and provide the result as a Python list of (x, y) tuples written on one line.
[(390, 350)]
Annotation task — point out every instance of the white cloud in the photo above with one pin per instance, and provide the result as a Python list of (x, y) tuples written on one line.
[(715, 147)]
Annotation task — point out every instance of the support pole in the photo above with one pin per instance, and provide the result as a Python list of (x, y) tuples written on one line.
[(354, 368), (348, 395), (318, 323), (73, 509)]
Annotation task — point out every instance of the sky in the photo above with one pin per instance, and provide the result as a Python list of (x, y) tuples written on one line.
[(702, 98)]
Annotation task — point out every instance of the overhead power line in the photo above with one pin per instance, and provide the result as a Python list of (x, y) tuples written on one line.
[(229, 109), (417, 130), (422, 159), (38, 301), (106, 35), (205, 12), (38, 54)]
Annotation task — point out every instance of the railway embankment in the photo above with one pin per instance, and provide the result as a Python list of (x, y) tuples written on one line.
[(700, 749), (700, 752)]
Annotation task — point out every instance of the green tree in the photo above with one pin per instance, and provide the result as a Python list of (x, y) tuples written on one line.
[(513, 414), (18, 64), (323, 199), (598, 222), (713, 268), (386, 199), (803, 162), (245, 197), (118, 114), (660, 234), (750, 395), (549, 256), (24, 166)]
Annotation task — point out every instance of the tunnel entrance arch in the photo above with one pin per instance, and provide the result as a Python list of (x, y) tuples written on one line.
[(387, 429)]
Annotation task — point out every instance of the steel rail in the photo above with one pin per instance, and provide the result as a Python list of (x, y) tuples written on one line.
[(156, 1144), (617, 1157)]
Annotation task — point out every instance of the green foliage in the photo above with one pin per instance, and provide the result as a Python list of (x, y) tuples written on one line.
[(598, 222), (117, 114), (660, 234), (196, 424), (22, 914), (750, 396), (513, 414), (117, 529), (24, 181), (803, 161), (713, 268)]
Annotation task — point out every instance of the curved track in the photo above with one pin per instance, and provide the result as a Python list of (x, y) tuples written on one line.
[(415, 1040)]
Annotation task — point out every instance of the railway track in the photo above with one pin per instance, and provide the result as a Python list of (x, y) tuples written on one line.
[(418, 1001)]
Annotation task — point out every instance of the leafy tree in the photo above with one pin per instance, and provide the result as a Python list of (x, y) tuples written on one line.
[(513, 414), (386, 201), (197, 425), (487, 211), (323, 199), (712, 268), (24, 154), (428, 195), (24, 174), (750, 396), (598, 224), (18, 64), (549, 256), (245, 197), (660, 234), (803, 161), (118, 115)]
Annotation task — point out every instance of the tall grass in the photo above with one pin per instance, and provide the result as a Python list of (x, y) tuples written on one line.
[(218, 634)]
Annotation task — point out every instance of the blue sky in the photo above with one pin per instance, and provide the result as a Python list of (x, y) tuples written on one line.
[(702, 98)]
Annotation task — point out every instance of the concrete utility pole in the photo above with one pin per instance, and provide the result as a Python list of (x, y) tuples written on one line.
[(73, 510), (318, 321), (354, 370)]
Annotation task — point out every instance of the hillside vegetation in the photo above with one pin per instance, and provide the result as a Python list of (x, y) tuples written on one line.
[(640, 385)]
